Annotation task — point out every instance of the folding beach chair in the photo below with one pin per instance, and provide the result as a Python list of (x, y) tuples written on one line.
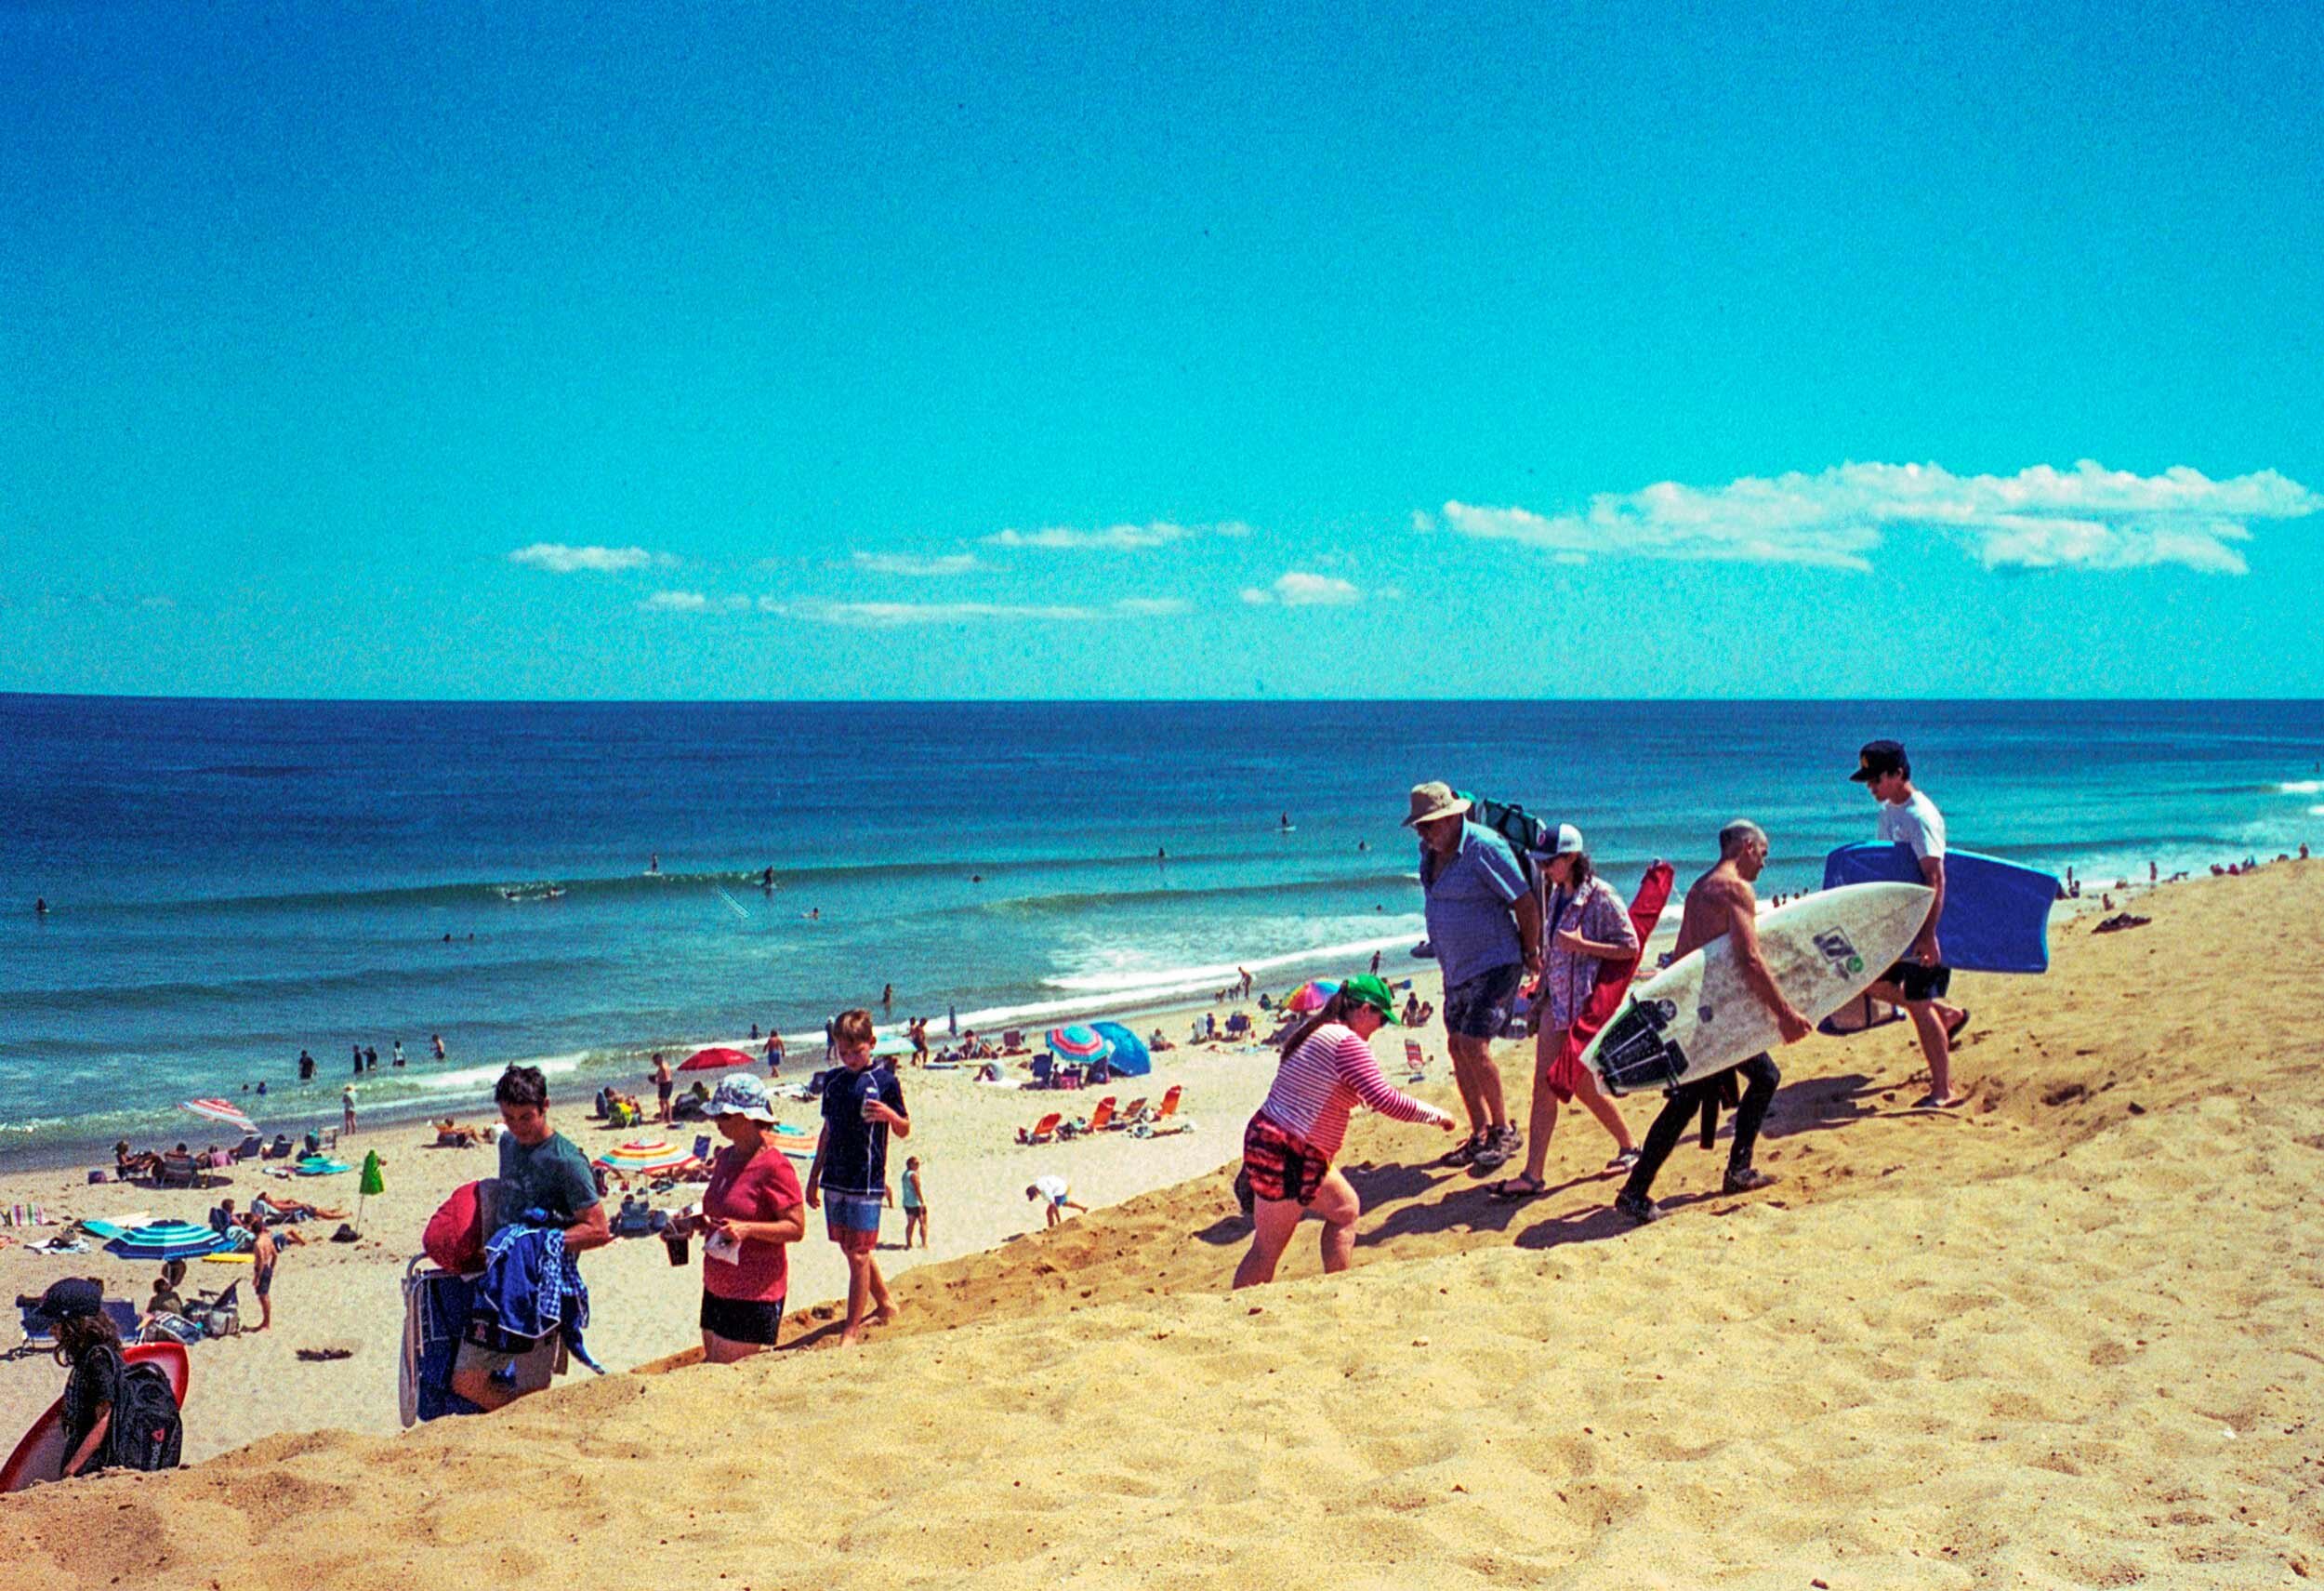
[(1043, 1132), (1099, 1120), (1129, 1115), (1415, 1061)]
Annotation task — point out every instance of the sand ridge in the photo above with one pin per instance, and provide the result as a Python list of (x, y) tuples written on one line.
[(2062, 1338)]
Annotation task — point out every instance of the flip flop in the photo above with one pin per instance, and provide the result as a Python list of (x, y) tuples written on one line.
[(1930, 1101), (1621, 1162), (1507, 1192), (1954, 1031)]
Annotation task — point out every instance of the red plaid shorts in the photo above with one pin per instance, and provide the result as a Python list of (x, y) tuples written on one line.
[(1280, 1165)]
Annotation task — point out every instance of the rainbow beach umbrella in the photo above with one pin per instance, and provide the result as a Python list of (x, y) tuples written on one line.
[(1313, 996), (1079, 1041), (222, 1111), (643, 1157)]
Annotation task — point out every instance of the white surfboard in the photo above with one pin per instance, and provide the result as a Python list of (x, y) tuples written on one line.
[(1699, 1017)]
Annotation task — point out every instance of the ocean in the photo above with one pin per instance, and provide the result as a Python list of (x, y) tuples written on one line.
[(574, 885)]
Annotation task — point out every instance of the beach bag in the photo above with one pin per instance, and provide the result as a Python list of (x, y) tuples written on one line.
[(1530, 836), (147, 1429), (454, 1238)]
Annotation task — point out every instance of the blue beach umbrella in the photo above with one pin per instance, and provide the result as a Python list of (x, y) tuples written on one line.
[(1128, 1057), (165, 1241)]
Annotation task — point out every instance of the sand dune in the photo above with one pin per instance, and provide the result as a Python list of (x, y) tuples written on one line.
[(2064, 1338)]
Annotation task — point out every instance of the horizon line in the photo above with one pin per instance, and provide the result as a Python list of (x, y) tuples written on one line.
[(1118, 701)]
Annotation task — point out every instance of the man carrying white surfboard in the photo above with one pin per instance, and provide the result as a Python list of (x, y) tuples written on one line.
[(1722, 905), (1920, 981)]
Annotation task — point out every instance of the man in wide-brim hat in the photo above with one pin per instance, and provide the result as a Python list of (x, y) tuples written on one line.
[(1485, 922)]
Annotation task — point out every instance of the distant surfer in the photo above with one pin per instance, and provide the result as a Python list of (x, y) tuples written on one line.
[(1722, 905), (653, 863), (1920, 981), (766, 881), (1284, 822), (437, 1039), (40, 906)]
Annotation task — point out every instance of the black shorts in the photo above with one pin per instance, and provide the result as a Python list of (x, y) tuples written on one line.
[(1917, 983), (742, 1320)]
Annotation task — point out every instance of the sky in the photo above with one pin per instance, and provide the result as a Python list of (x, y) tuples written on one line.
[(900, 352)]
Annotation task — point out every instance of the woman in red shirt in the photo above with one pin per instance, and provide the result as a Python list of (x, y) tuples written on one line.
[(752, 1210)]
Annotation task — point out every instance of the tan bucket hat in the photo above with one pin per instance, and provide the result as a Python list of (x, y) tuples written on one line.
[(1434, 799)]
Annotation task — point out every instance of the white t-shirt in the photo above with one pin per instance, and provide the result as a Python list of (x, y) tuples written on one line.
[(1053, 1188), (1916, 822)]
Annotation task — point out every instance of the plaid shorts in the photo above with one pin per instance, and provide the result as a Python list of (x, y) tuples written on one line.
[(1280, 1165)]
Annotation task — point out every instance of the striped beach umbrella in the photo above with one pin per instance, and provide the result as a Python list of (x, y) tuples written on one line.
[(1079, 1041), (165, 1241), (1313, 996), (642, 1157), (222, 1111)]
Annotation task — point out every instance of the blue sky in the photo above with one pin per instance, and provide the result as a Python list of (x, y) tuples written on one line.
[(1172, 351)]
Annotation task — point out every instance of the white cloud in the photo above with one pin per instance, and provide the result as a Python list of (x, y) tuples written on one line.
[(1113, 538), (1297, 588), (692, 601), (918, 568), (2087, 517), (894, 615), (559, 559)]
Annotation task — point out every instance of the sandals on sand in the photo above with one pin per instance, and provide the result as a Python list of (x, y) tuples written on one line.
[(1508, 1191), (1621, 1162), (1959, 1023)]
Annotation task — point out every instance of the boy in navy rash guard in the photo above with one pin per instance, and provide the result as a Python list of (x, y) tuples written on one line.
[(861, 1106)]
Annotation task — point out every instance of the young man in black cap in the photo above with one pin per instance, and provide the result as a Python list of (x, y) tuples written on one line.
[(1920, 981)]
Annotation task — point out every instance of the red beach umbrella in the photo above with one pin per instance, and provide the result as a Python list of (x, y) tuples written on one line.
[(222, 1111), (710, 1060)]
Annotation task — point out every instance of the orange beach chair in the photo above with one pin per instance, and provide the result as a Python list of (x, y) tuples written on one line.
[(1043, 1131), (1100, 1119)]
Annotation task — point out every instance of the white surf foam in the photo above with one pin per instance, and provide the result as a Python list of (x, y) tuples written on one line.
[(1094, 992), (2303, 787)]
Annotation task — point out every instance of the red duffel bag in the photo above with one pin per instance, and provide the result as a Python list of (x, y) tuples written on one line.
[(454, 1238)]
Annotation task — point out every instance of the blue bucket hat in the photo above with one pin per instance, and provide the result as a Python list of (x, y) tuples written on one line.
[(742, 1095)]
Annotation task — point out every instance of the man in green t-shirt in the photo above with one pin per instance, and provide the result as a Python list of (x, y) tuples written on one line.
[(541, 1173)]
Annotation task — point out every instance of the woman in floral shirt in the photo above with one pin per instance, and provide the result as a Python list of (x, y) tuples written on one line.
[(1586, 925)]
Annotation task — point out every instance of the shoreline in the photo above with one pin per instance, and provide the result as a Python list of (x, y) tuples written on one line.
[(597, 1067)]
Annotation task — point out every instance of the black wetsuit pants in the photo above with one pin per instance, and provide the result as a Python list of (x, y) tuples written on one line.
[(1760, 1078)]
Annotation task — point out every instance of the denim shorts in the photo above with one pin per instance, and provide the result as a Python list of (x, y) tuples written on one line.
[(852, 1220), (1479, 1007)]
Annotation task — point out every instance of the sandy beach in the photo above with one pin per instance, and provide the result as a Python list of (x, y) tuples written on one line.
[(2063, 1337)]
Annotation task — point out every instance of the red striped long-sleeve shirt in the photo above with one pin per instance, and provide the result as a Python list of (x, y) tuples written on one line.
[(1320, 1082)]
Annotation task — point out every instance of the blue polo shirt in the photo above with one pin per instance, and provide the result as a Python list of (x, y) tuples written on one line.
[(1469, 898)]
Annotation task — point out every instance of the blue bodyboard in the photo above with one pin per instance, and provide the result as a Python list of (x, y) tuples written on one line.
[(1996, 913)]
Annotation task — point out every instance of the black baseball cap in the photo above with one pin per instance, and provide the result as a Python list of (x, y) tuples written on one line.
[(72, 1298), (1881, 757)]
